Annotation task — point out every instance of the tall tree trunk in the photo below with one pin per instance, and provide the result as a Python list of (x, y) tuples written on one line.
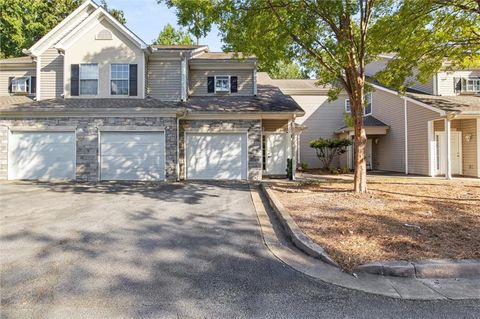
[(360, 180)]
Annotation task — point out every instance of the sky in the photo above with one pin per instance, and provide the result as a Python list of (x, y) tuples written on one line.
[(146, 19)]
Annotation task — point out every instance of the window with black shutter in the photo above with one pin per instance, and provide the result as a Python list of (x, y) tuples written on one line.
[(133, 80), (75, 80), (457, 82), (233, 84), (10, 79), (211, 84), (33, 85)]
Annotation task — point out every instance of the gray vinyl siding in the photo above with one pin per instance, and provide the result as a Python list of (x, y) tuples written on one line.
[(198, 81), (164, 79), (7, 72), (322, 119), (424, 87), (389, 109), (51, 74), (418, 118)]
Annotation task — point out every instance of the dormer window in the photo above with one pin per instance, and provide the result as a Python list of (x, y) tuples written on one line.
[(222, 84), (471, 85), (20, 85)]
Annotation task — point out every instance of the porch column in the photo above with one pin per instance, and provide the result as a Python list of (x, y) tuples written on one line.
[(448, 141), (293, 150)]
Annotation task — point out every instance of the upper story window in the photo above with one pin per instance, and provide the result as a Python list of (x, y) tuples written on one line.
[(20, 85), (222, 84), (119, 79), (471, 85), (88, 79), (368, 105)]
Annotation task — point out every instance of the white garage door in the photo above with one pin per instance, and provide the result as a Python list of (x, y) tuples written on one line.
[(134, 156), (41, 155), (216, 156)]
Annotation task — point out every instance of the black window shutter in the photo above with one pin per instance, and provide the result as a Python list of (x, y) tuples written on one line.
[(74, 80), (211, 84), (457, 84), (233, 84), (33, 90), (133, 80), (10, 84)]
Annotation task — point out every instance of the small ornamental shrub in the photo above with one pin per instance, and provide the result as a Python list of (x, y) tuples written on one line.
[(328, 148)]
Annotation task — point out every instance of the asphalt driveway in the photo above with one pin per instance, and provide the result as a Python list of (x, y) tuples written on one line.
[(160, 251)]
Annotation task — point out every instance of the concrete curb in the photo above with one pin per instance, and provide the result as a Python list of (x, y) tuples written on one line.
[(298, 237), (438, 268)]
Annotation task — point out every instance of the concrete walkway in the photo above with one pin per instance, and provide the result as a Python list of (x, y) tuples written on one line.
[(396, 287)]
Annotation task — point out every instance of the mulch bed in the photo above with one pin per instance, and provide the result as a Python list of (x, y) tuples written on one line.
[(398, 219)]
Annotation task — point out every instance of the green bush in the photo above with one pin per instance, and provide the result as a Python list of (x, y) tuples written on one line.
[(327, 148)]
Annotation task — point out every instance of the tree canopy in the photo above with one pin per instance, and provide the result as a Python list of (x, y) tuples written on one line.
[(283, 70), (24, 22), (424, 34), (170, 36), (116, 13)]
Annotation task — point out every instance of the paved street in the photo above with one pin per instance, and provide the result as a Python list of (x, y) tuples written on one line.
[(170, 251)]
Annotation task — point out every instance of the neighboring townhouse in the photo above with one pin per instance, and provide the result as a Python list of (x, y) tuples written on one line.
[(91, 101), (431, 130)]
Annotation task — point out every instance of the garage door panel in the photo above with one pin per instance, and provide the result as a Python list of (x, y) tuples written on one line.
[(42, 155), (216, 156), (132, 156)]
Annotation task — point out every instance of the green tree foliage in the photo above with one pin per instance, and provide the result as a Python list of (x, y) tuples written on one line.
[(423, 34), (24, 22), (327, 149), (330, 38), (170, 36), (284, 70), (116, 13)]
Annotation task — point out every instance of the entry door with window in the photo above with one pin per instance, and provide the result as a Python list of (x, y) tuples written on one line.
[(455, 152), (276, 153)]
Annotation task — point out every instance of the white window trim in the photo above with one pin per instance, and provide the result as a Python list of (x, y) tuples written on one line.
[(364, 113), (229, 84), (473, 80), (80, 79), (29, 83), (110, 80)]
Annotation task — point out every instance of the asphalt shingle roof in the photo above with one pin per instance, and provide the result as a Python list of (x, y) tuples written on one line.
[(459, 103), (23, 59), (368, 121)]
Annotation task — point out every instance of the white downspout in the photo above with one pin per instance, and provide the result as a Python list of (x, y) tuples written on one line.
[(178, 143), (405, 103)]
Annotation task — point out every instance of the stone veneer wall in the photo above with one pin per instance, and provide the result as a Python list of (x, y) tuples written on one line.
[(254, 140), (87, 140)]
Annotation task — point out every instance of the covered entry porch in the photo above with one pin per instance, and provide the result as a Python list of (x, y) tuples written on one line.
[(455, 147)]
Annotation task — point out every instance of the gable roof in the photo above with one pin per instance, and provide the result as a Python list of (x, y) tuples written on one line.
[(223, 56), (99, 14), (295, 86), (61, 29)]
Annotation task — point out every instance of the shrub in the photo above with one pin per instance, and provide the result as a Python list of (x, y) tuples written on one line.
[(327, 148)]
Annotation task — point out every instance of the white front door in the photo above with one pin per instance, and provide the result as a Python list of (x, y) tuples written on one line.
[(221, 156), (455, 152), (41, 155), (276, 153), (134, 156), (368, 154)]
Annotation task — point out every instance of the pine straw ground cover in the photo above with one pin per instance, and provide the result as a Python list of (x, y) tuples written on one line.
[(398, 219)]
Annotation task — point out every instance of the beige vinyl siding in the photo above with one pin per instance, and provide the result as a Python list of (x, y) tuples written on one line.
[(198, 81), (51, 74), (446, 83), (322, 119), (7, 72), (469, 149), (164, 79), (85, 48), (418, 118), (373, 67), (389, 109)]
